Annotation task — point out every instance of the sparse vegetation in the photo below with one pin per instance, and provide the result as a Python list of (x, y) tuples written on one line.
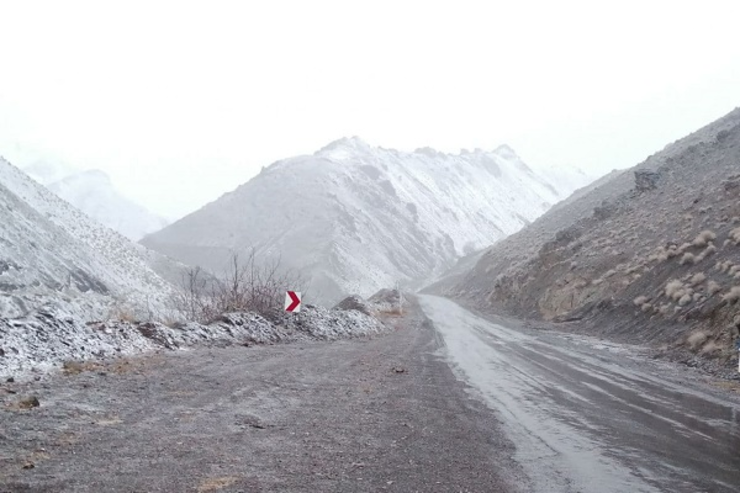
[(733, 296), (675, 290), (696, 339), (688, 258), (697, 279), (735, 236), (249, 285), (704, 238), (640, 300), (713, 287)]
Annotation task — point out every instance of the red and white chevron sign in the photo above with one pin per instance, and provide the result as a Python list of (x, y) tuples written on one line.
[(292, 301)]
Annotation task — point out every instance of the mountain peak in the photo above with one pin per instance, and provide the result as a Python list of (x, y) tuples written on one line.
[(505, 151), (92, 175), (344, 147)]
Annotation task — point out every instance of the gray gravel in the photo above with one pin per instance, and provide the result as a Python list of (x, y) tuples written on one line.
[(377, 414)]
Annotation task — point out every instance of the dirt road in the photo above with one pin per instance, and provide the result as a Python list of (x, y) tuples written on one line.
[(385, 414)]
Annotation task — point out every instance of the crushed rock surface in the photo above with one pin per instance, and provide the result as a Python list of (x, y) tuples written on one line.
[(55, 333), (374, 414)]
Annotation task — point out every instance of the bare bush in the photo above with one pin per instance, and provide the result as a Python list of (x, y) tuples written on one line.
[(696, 339), (697, 278), (641, 300), (703, 238), (674, 289), (733, 296), (710, 348), (248, 285), (735, 235), (688, 258), (713, 287)]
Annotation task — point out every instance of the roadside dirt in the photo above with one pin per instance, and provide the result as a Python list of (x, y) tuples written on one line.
[(381, 414)]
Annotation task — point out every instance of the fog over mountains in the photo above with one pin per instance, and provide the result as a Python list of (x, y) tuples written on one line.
[(353, 218), (51, 251), (93, 192)]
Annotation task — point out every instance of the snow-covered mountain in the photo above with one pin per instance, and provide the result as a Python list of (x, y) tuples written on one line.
[(565, 178), (354, 218), (49, 250), (94, 194)]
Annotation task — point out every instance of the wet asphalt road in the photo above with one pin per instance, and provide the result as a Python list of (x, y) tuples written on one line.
[(589, 416)]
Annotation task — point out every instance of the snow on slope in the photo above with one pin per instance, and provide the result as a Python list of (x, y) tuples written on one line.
[(565, 179), (50, 249), (354, 218), (94, 194)]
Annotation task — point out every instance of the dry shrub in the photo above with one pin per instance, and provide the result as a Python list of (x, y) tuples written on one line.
[(696, 339), (735, 236), (640, 300), (71, 367), (687, 258), (713, 287), (674, 289), (732, 296), (248, 285), (697, 278), (724, 266), (710, 347), (703, 238)]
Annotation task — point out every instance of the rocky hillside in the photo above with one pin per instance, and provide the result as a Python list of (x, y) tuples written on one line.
[(50, 251), (648, 255), (354, 218), (93, 193)]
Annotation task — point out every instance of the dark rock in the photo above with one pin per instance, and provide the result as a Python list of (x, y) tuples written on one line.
[(731, 184), (29, 403), (646, 180), (354, 302)]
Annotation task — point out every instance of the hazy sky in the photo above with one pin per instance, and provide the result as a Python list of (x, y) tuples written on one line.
[(182, 101)]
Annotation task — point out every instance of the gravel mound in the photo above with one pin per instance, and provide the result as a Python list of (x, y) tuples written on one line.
[(44, 339)]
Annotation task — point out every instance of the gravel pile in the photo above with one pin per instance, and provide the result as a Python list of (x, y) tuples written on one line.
[(44, 339)]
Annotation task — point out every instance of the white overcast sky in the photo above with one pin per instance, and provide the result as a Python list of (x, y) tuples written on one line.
[(182, 101)]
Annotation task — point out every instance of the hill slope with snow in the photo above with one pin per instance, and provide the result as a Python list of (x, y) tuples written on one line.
[(651, 254), (93, 193), (50, 250), (354, 218)]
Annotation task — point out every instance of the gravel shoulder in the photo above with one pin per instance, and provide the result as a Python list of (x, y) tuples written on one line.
[(378, 414)]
